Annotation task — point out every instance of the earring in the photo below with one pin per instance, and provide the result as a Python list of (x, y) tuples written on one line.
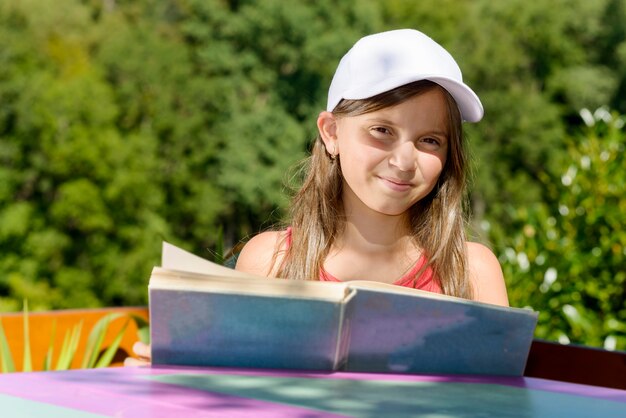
[(331, 153)]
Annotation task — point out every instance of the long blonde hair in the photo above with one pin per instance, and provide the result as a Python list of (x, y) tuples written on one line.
[(437, 221)]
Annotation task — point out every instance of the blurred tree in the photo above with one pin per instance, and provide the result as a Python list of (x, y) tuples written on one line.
[(611, 50), (147, 65), (527, 61), (268, 64), (567, 258), (79, 210)]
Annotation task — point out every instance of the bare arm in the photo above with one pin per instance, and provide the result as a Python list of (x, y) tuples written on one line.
[(486, 275), (257, 256)]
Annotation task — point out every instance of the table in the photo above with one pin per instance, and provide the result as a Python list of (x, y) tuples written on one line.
[(217, 392)]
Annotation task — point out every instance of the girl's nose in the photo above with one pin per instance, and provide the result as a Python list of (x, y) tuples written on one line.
[(404, 156)]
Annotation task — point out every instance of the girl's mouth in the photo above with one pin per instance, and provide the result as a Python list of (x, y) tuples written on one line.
[(396, 184)]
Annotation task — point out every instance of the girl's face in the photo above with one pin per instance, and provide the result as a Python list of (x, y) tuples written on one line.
[(392, 158)]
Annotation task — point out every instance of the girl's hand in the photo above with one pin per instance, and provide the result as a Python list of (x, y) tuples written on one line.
[(143, 353)]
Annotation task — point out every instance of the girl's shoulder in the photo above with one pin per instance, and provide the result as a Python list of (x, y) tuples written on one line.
[(262, 253), (486, 275)]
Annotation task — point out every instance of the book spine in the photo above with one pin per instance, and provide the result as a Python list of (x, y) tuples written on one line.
[(343, 332)]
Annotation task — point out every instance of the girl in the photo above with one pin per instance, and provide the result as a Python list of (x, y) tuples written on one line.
[(382, 199)]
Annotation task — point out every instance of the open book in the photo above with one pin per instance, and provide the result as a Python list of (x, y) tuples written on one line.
[(204, 314)]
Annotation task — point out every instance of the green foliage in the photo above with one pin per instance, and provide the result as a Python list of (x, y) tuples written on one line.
[(28, 365), (567, 258), (6, 359), (68, 349), (80, 207)]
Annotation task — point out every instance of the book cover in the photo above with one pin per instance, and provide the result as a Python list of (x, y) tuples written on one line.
[(430, 335), (204, 314), (220, 329)]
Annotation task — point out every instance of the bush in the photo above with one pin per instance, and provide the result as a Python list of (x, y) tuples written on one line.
[(567, 258)]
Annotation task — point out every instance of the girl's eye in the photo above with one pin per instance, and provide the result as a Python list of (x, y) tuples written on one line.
[(381, 130), (431, 141)]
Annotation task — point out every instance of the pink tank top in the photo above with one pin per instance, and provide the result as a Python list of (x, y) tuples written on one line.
[(426, 281)]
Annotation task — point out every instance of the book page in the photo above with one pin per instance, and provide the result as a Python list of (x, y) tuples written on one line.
[(392, 288), (409, 291), (174, 258), (248, 285), (182, 270)]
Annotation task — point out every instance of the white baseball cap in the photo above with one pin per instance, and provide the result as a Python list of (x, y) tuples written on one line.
[(383, 61)]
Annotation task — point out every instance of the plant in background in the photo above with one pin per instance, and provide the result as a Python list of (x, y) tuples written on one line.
[(568, 258), (95, 356)]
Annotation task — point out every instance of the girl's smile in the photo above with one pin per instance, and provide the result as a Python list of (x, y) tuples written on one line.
[(397, 184)]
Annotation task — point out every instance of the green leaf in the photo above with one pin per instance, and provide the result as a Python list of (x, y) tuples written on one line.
[(64, 349), (47, 362), (143, 328), (6, 359), (108, 355), (95, 339), (68, 350), (28, 364), (144, 335)]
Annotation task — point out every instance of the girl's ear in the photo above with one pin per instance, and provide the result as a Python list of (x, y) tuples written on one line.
[(327, 127)]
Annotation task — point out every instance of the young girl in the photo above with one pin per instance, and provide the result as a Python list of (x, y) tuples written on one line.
[(382, 199), (383, 195)]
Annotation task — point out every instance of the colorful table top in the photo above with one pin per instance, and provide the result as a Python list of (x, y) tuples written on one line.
[(194, 392)]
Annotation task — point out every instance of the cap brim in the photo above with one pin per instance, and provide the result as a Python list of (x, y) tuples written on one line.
[(468, 102)]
